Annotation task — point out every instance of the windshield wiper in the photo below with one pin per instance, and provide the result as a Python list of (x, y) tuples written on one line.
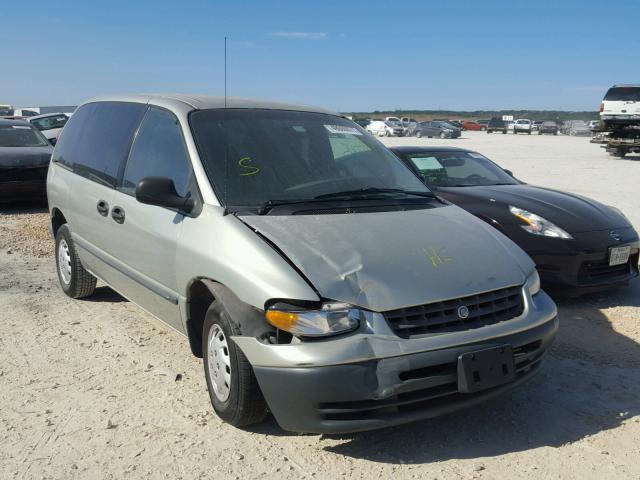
[(364, 192), (270, 204)]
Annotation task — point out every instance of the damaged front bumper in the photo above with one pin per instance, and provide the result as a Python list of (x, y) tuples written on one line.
[(373, 379)]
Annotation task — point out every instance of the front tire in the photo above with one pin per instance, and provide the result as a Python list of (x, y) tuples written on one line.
[(74, 280), (443, 135), (419, 134), (233, 388)]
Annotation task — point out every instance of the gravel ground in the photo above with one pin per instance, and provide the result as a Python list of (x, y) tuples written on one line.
[(99, 389)]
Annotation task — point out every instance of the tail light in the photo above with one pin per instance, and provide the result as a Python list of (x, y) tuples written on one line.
[(602, 107)]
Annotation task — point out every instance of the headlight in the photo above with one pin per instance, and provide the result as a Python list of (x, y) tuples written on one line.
[(533, 283), (330, 319), (538, 225)]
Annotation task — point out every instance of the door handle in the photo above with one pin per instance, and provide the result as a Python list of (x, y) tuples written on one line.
[(103, 208), (117, 213)]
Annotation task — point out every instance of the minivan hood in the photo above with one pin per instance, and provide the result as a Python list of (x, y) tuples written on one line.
[(388, 260)]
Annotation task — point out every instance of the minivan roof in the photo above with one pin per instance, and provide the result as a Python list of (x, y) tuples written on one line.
[(202, 102)]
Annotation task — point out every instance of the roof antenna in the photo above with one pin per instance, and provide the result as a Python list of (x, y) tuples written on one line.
[(225, 72)]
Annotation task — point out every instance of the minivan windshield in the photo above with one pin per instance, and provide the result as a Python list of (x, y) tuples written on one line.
[(255, 156)]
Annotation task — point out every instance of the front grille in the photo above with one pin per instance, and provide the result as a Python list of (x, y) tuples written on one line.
[(442, 317), (601, 270), (441, 393), (23, 174)]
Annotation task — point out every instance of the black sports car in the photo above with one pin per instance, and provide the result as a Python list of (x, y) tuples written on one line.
[(24, 160), (575, 242)]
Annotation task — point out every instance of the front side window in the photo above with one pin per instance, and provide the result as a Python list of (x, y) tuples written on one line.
[(252, 156), (459, 169), (159, 151), (21, 136)]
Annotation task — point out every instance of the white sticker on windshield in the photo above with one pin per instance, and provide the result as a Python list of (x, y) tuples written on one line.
[(22, 127), (476, 155), (425, 164), (342, 129)]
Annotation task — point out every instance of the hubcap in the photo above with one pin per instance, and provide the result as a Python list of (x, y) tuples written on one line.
[(219, 363), (64, 261)]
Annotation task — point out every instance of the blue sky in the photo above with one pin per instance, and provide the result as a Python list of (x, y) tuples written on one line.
[(343, 55)]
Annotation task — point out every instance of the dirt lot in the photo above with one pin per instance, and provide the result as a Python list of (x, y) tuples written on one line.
[(99, 389)]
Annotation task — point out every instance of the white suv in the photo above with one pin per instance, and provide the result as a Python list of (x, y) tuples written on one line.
[(621, 106), (522, 125)]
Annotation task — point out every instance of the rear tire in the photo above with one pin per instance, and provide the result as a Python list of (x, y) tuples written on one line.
[(74, 280), (233, 388)]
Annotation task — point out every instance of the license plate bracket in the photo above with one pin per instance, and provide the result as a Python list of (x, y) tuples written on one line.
[(487, 368), (619, 255)]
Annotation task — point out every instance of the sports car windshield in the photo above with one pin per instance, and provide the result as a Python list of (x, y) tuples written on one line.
[(253, 156), (20, 136), (459, 169)]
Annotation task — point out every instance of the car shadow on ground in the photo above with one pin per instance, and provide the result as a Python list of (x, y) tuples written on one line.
[(17, 208), (590, 382), (105, 294)]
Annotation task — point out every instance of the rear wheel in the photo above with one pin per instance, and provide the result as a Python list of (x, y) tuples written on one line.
[(74, 280), (233, 388)]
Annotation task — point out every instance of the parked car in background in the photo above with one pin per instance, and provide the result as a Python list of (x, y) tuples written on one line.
[(575, 242), (24, 160), (522, 125), (620, 106), (456, 123), (497, 125), (535, 125), (50, 124), (6, 110), (26, 112), (510, 124), (436, 129), (548, 128), (385, 129), (469, 125), (593, 124), (318, 278), (576, 128)]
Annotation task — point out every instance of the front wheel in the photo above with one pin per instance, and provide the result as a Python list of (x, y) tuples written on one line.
[(443, 135), (233, 388), (419, 134), (504, 132), (74, 280)]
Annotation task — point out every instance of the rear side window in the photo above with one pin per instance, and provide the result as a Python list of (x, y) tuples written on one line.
[(623, 94), (159, 151), (49, 123), (97, 138)]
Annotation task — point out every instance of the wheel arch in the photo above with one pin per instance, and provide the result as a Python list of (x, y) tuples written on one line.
[(201, 293), (57, 220)]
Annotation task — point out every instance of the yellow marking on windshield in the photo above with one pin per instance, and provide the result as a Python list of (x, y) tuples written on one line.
[(252, 169)]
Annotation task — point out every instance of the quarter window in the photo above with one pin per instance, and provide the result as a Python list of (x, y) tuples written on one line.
[(96, 139), (159, 151)]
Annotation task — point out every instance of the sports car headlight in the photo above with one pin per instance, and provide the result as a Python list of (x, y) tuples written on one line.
[(329, 319), (533, 283), (538, 225)]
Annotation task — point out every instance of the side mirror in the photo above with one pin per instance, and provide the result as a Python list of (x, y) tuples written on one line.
[(161, 191), (53, 141), (508, 172)]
